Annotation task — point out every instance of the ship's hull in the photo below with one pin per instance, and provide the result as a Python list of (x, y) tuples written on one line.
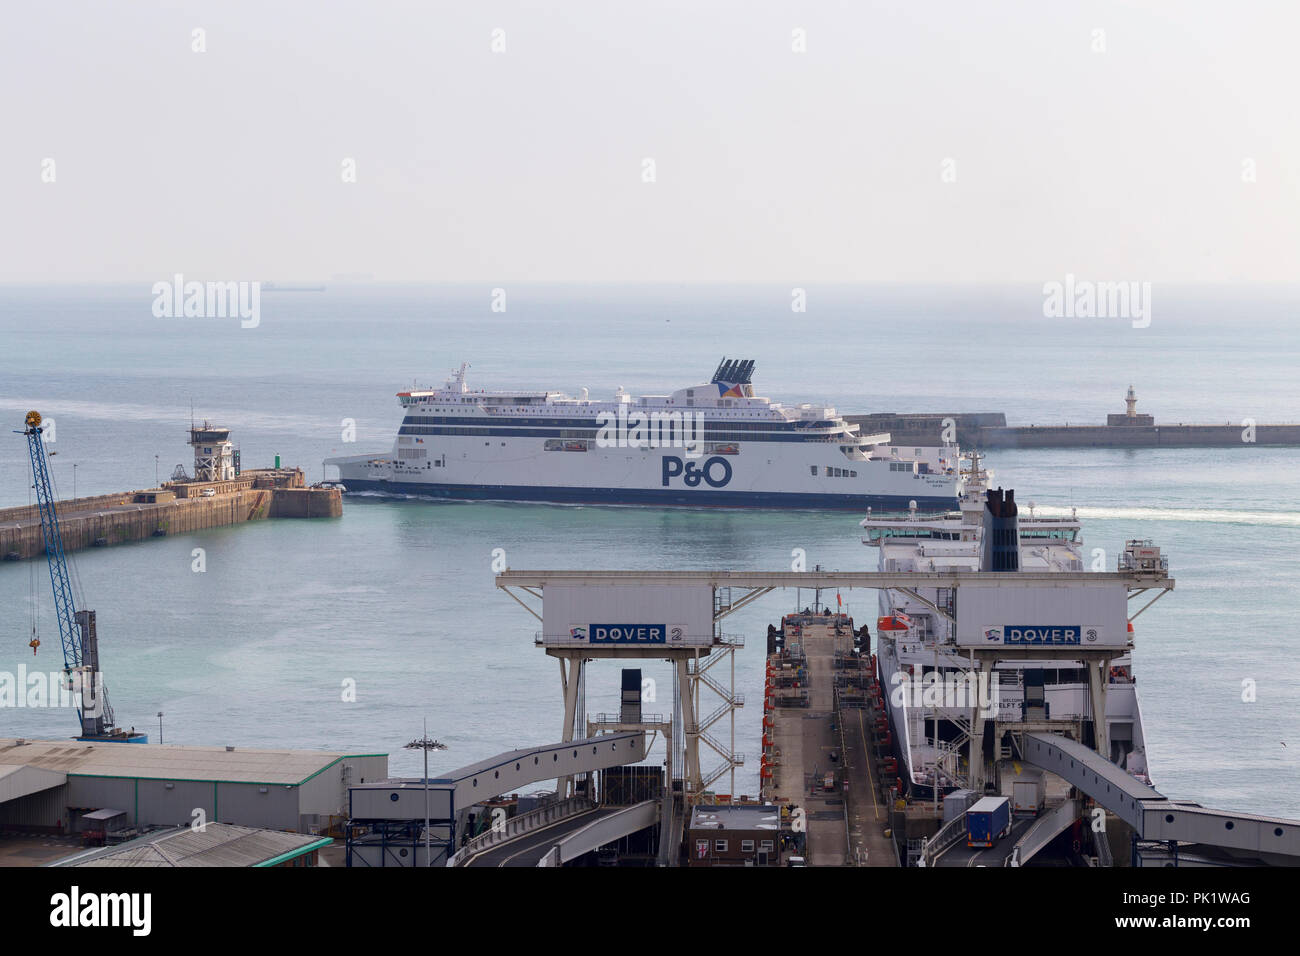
[(643, 496), (754, 475)]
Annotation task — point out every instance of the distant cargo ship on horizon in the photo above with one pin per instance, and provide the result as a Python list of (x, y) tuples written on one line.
[(293, 287)]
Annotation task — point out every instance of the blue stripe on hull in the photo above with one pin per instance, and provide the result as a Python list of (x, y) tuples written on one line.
[(650, 496)]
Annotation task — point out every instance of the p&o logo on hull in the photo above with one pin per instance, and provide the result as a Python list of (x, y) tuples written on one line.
[(715, 472)]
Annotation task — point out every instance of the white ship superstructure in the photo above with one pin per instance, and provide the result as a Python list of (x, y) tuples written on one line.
[(916, 639), (712, 444)]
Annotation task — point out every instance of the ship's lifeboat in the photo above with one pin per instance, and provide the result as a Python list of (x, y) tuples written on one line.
[(894, 625)]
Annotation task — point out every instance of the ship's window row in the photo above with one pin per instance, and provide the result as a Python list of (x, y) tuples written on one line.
[(589, 422), (875, 534), (719, 436), (1063, 534)]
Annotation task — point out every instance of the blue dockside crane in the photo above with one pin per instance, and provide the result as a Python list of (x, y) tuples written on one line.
[(76, 628)]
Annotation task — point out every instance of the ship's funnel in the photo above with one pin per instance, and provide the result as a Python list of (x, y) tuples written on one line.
[(1001, 544), (734, 372)]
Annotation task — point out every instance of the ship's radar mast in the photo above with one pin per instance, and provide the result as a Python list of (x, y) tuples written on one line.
[(457, 381)]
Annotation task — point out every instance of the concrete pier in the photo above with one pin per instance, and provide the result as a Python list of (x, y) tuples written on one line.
[(813, 737), (175, 508)]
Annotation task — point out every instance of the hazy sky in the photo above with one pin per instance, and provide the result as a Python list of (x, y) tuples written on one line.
[(1126, 164)]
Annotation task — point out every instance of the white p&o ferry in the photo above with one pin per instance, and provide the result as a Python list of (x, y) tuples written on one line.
[(712, 444)]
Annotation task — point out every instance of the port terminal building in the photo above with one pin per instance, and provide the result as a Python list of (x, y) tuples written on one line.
[(58, 786)]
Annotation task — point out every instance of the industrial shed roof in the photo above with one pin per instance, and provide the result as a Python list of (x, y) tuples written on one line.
[(19, 781), (169, 762), (217, 844)]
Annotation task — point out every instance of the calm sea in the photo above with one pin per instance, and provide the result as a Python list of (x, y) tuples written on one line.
[(398, 596)]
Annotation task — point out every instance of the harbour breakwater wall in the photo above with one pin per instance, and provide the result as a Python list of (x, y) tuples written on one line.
[(106, 520), (989, 430), (1135, 436)]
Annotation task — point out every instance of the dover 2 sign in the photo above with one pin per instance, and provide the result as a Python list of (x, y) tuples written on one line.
[(639, 615), (626, 633), (1038, 635)]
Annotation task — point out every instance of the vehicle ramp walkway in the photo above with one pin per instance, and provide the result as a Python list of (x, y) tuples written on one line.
[(540, 840), (1153, 816), (1044, 830)]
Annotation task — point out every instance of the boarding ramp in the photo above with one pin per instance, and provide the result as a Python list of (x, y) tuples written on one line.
[(1154, 817), (1272, 840), (1088, 771), (515, 769), (614, 825), (520, 825), (508, 772), (384, 814), (1044, 830), (949, 835), (538, 839)]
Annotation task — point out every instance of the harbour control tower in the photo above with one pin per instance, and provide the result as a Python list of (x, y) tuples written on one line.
[(214, 455)]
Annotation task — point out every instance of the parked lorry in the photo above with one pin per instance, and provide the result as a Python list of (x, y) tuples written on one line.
[(988, 821), (1028, 794)]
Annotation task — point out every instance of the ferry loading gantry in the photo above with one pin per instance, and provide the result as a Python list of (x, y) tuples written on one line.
[(76, 628), (984, 589)]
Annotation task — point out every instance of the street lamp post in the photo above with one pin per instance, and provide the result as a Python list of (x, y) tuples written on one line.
[(160, 717), (425, 744)]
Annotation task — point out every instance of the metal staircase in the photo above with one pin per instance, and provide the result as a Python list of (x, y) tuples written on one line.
[(702, 672)]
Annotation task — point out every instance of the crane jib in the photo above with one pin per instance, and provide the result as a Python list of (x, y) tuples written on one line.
[(76, 631)]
